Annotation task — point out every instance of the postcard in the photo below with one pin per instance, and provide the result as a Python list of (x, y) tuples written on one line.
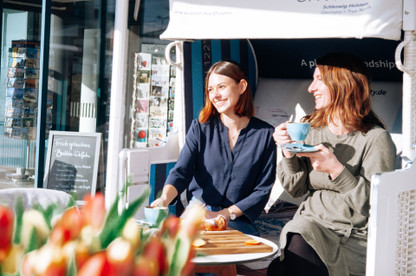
[(144, 61), (16, 62), (14, 102), (16, 73), (30, 94), (141, 120), (140, 137), (31, 83), (12, 122), (143, 76), (171, 103), (16, 82), (14, 112), (171, 115), (15, 92), (157, 122), (143, 90), (160, 80), (142, 106), (156, 91), (161, 70), (158, 106), (32, 63)]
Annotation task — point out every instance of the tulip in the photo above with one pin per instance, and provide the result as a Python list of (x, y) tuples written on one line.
[(189, 230), (155, 250), (28, 264), (145, 267), (132, 232), (11, 264), (189, 266), (171, 225), (68, 227), (33, 220), (6, 231), (96, 265), (49, 260), (120, 256), (93, 212), (78, 249)]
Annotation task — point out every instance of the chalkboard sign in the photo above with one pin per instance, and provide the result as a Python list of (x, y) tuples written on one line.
[(72, 162)]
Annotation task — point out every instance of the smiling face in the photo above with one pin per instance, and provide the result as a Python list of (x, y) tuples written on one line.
[(224, 92), (320, 91)]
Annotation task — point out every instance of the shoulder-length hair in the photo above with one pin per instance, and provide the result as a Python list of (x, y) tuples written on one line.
[(245, 104), (348, 81)]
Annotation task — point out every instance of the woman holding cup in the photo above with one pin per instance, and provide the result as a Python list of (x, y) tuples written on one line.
[(328, 234), (228, 162)]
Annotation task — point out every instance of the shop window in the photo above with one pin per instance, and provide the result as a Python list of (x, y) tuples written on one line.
[(79, 73), (150, 80)]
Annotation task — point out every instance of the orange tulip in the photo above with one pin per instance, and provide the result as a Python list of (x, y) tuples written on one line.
[(120, 256), (93, 212), (189, 265), (49, 260), (145, 267), (96, 265), (68, 227), (171, 225), (155, 250)]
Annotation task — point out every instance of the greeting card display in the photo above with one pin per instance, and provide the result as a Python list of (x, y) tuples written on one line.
[(22, 89), (152, 98)]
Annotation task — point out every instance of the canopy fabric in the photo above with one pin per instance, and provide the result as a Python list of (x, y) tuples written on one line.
[(239, 19)]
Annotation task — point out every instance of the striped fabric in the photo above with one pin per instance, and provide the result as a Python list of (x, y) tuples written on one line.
[(199, 56)]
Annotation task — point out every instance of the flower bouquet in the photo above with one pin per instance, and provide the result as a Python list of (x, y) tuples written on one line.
[(91, 241)]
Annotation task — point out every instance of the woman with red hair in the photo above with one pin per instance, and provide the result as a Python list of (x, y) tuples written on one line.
[(328, 234), (228, 162)]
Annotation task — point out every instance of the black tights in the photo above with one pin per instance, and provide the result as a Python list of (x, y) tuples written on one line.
[(300, 259)]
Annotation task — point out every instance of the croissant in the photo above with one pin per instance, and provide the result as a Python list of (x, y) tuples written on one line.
[(216, 224)]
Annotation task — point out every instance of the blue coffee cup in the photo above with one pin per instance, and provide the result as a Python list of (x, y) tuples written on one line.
[(156, 214), (298, 131)]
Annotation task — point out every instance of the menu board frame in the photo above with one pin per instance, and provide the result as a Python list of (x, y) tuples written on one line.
[(72, 147)]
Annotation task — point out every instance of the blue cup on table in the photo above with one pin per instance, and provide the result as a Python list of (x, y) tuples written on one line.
[(153, 215), (298, 131)]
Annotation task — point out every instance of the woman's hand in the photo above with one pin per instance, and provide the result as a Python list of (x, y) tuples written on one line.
[(159, 202), (169, 192), (223, 212), (324, 161), (281, 137)]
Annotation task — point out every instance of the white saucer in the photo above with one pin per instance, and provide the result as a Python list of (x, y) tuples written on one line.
[(295, 148), (144, 222)]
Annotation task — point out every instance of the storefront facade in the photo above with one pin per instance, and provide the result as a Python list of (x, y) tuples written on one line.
[(105, 72), (56, 75)]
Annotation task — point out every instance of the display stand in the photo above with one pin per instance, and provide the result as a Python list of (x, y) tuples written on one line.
[(22, 99), (152, 98)]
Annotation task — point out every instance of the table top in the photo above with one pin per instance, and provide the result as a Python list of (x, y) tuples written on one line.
[(237, 258)]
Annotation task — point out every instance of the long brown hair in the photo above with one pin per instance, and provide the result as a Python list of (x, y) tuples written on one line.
[(245, 104), (348, 81)]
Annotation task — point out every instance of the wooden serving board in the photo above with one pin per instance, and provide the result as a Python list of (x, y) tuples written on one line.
[(229, 242)]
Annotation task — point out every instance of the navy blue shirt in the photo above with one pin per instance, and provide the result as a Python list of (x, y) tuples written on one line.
[(220, 177)]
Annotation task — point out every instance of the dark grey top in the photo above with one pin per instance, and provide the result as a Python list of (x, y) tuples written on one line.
[(333, 218)]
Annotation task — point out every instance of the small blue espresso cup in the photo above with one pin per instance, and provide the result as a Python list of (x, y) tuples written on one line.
[(153, 215), (298, 131)]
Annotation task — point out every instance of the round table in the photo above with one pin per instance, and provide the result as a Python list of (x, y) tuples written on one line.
[(225, 264)]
